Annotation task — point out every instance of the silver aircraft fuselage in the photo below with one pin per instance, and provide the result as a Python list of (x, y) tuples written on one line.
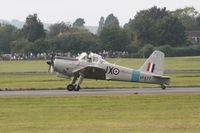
[(93, 66), (112, 72)]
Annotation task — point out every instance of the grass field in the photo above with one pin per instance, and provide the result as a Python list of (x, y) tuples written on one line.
[(23, 66), (171, 63), (167, 113)]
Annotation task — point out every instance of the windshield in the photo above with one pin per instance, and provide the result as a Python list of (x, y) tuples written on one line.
[(92, 57)]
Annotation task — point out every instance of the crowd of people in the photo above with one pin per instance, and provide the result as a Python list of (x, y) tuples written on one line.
[(31, 56)]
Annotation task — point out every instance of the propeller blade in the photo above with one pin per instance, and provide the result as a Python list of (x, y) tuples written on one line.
[(51, 69), (51, 62)]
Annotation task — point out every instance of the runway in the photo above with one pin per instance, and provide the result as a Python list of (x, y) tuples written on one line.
[(91, 92)]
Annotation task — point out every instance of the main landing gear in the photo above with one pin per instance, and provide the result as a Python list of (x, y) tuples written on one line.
[(72, 87), (75, 86)]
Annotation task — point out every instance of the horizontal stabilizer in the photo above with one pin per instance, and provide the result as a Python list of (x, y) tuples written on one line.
[(164, 79)]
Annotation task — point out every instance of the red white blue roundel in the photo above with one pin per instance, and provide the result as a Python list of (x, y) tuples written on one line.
[(116, 71)]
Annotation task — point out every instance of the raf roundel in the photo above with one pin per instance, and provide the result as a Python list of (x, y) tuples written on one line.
[(116, 71)]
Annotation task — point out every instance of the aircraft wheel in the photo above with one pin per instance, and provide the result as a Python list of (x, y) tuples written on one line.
[(163, 87), (77, 88), (70, 87)]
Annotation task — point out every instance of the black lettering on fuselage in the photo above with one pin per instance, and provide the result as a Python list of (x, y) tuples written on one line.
[(146, 78), (112, 70)]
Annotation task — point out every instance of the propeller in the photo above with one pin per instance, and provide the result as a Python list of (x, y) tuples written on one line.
[(51, 62)]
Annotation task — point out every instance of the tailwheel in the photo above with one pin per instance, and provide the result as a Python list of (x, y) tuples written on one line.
[(163, 87), (77, 87), (70, 87)]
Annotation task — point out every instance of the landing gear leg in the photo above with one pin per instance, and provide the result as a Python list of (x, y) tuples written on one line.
[(77, 85), (163, 87), (71, 86), (73, 81)]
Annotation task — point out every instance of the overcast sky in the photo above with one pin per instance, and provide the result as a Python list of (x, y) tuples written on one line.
[(52, 11)]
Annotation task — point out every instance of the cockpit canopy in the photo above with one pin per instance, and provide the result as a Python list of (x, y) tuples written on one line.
[(92, 57)]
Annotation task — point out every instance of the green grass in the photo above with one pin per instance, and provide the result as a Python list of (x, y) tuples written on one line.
[(23, 66), (185, 80), (171, 63), (53, 82), (31, 81), (183, 63), (169, 113)]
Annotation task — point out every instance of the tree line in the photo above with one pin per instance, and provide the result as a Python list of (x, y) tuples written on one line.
[(153, 28)]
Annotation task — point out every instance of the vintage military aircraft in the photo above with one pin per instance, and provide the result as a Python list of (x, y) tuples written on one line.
[(93, 66)]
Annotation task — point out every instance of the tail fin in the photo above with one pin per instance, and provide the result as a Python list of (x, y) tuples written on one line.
[(154, 64)]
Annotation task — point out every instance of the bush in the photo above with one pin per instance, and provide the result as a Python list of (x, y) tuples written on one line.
[(180, 51), (167, 49), (187, 51), (145, 51)]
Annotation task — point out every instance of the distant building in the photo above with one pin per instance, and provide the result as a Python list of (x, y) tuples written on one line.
[(193, 36)]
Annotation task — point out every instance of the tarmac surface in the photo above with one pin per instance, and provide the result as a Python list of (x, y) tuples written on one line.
[(91, 92)]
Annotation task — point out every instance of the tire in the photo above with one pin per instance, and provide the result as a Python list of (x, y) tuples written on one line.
[(70, 87), (77, 88)]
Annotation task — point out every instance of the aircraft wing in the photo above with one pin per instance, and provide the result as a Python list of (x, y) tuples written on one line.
[(93, 72)]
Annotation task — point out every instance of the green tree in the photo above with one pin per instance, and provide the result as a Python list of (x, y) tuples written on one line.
[(157, 27), (101, 25), (187, 17), (171, 31), (154, 13), (33, 28), (76, 42), (111, 20), (144, 25), (57, 28), (40, 46), (198, 21), (167, 49), (114, 38), (146, 51), (20, 46), (8, 33), (79, 23)]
